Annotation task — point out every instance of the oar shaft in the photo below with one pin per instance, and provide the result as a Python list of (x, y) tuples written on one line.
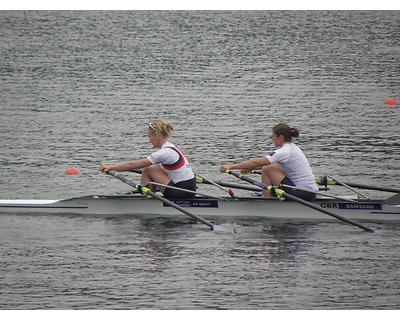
[(212, 182), (185, 190), (231, 193), (245, 178), (311, 205), (230, 185), (363, 186), (174, 205), (318, 180), (162, 199), (223, 184), (323, 180), (319, 193), (299, 200)]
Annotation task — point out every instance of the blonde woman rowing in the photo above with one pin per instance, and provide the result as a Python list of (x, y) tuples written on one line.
[(167, 166)]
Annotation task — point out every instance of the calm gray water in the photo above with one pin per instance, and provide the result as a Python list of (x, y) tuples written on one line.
[(78, 88)]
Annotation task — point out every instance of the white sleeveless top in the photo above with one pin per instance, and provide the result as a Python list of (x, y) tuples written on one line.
[(173, 162), (295, 165)]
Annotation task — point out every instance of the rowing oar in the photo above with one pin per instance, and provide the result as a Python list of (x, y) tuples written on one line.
[(223, 184), (281, 193), (350, 188), (319, 193), (145, 190), (231, 193), (230, 185), (324, 180), (186, 190)]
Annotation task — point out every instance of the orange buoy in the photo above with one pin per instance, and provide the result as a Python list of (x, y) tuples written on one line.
[(390, 101), (71, 171)]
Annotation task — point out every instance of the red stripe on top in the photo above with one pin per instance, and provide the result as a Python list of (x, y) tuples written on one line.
[(178, 164)]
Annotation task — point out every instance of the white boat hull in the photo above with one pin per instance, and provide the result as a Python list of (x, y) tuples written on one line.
[(244, 207)]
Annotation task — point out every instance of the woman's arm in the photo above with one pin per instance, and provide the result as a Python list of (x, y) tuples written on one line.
[(246, 165), (126, 166)]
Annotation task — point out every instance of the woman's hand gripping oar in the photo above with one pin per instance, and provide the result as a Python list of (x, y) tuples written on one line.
[(286, 195), (231, 193), (147, 191)]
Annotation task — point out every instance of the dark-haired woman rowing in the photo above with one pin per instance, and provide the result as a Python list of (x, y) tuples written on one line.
[(287, 165)]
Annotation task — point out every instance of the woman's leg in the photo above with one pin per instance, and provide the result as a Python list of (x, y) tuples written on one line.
[(154, 173), (271, 175)]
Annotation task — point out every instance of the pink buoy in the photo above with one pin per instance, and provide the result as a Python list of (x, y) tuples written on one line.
[(71, 171), (390, 101)]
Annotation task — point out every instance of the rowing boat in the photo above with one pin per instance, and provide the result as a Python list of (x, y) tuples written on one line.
[(148, 202), (139, 204)]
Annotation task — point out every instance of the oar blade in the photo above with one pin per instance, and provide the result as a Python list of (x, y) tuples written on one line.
[(225, 227)]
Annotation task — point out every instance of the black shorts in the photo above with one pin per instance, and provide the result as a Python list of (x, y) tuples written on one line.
[(308, 196), (190, 184)]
